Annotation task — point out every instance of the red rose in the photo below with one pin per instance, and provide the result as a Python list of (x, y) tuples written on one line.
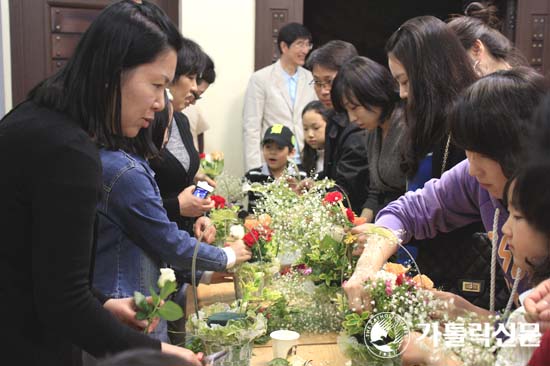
[(400, 279), (333, 197), (251, 238), (267, 235), (202, 156), (219, 201), (350, 215)]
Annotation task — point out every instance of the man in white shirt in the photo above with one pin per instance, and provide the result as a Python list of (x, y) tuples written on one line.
[(278, 93)]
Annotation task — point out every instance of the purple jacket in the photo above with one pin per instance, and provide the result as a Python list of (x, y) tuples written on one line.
[(446, 204)]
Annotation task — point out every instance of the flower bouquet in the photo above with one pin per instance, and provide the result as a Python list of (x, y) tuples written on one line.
[(399, 305), (212, 163), (226, 327), (252, 276)]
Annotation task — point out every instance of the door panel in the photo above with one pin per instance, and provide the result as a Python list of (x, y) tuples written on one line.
[(44, 34)]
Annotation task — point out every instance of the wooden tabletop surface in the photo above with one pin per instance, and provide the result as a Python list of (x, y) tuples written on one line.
[(320, 348)]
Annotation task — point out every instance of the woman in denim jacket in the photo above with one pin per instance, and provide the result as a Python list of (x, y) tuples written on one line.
[(135, 236)]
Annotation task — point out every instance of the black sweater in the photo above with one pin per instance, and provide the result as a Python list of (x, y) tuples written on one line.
[(172, 177), (49, 187), (346, 159)]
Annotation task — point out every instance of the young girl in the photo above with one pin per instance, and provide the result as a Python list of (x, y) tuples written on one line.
[(490, 121), (314, 120), (367, 92)]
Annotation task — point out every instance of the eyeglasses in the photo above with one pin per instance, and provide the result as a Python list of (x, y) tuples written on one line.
[(303, 44), (321, 84)]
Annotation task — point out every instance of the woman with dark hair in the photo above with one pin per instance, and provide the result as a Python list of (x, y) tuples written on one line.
[(105, 95), (345, 156), (368, 93), (135, 236), (429, 89), (490, 120), (488, 49), (176, 169), (314, 120)]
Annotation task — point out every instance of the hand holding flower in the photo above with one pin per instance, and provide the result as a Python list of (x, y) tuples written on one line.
[(159, 306), (125, 310), (200, 176)]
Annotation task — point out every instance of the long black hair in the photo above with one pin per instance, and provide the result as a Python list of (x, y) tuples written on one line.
[(309, 154), (123, 36), (366, 82), (438, 69), (493, 116)]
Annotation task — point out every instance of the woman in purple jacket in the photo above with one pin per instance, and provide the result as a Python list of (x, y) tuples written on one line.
[(490, 120)]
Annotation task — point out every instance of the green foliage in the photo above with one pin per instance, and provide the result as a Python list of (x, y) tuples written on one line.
[(158, 306), (236, 332)]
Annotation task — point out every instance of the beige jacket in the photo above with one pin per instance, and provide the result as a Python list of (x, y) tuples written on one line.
[(267, 102)]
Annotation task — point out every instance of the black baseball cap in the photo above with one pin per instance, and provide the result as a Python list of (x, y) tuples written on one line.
[(281, 135)]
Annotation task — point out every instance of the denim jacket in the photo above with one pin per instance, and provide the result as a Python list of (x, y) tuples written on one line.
[(135, 236)]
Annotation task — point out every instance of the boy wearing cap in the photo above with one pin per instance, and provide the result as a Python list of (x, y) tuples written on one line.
[(277, 148)]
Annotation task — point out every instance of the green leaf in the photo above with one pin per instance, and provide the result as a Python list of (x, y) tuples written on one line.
[(328, 243), (169, 287), (154, 295), (141, 315), (170, 311), (140, 300)]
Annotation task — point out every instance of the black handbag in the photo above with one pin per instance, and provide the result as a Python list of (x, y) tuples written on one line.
[(460, 262)]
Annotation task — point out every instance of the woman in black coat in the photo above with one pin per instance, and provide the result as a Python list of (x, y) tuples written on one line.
[(106, 95), (176, 170)]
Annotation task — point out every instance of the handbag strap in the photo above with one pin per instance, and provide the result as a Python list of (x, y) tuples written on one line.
[(446, 154)]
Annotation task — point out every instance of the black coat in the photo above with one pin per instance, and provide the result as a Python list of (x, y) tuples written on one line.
[(346, 159), (49, 190), (172, 177)]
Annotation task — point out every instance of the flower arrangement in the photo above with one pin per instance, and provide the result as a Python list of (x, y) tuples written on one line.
[(391, 291), (235, 336), (159, 306), (212, 163), (299, 221), (223, 216)]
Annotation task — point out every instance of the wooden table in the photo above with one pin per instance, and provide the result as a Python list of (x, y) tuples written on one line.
[(321, 348)]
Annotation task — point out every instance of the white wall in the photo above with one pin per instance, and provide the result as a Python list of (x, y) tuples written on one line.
[(225, 30), (5, 53)]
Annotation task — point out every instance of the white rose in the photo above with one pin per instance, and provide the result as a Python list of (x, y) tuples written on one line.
[(236, 231), (208, 158), (166, 274)]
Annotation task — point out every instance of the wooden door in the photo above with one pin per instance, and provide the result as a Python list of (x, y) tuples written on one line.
[(533, 32), (44, 34), (271, 15)]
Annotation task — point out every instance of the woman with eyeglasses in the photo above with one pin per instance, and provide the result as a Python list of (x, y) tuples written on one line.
[(176, 169), (345, 155)]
